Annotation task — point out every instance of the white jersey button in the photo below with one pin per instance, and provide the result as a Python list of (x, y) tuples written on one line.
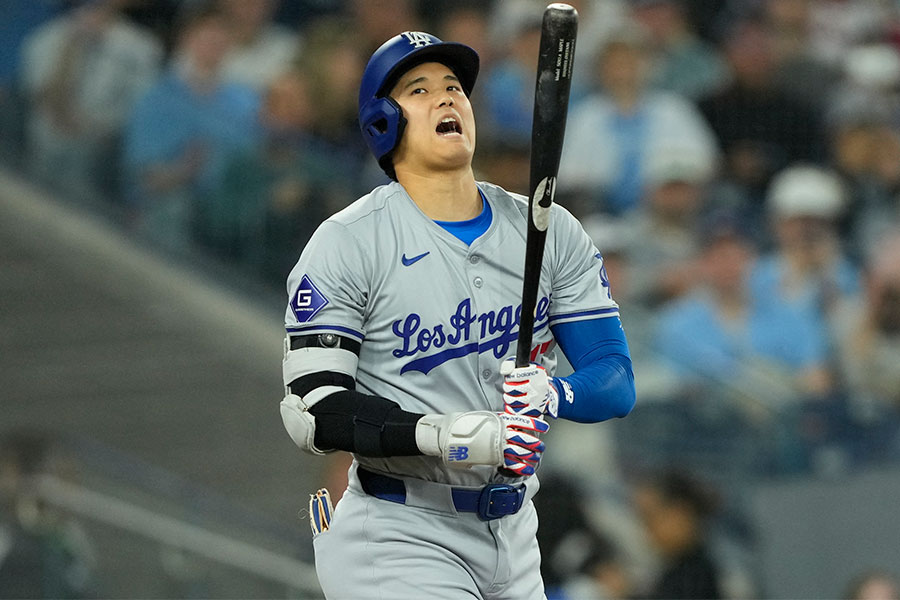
[(477, 282), (486, 374), (474, 259)]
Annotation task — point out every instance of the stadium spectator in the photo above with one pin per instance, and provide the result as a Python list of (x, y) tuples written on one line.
[(612, 134), (43, 552), (507, 19), (332, 64), (596, 22), (83, 72), (578, 561), (620, 242), (675, 509), (182, 130), (374, 21), (807, 269), (869, 76), (865, 142), (507, 90), (760, 129), (803, 76), (865, 152), (724, 340), (273, 195), (262, 49), (683, 63), (839, 25), (18, 18), (467, 22), (664, 238), (869, 328), (598, 570)]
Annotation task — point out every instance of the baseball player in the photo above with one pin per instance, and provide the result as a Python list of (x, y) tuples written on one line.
[(401, 311)]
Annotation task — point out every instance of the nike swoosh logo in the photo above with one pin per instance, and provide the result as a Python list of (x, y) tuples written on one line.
[(408, 261)]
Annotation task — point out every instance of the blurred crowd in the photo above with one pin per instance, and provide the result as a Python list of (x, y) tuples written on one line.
[(736, 162), (44, 552)]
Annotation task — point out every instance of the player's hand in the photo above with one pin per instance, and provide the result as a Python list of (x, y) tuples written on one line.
[(528, 391), (467, 439), (523, 449)]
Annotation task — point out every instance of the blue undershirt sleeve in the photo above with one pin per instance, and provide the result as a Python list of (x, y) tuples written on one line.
[(603, 381)]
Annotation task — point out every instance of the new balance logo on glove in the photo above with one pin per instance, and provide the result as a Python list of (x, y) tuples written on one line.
[(457, 453)]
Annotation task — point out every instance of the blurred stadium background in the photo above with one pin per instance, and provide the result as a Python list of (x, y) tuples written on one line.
[(162, 163)]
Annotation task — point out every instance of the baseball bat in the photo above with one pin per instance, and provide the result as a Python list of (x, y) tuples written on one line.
[(551, 102)]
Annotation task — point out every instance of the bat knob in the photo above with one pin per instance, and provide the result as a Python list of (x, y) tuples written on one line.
[(562, 6)]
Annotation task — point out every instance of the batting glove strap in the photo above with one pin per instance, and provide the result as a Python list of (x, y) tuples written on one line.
[(464, 439), (523, 448), (562, 391)]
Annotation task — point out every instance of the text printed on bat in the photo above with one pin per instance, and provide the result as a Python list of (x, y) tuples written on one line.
[(564, 59)]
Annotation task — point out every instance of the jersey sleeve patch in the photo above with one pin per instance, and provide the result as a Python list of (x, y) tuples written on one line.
[(307, 300)]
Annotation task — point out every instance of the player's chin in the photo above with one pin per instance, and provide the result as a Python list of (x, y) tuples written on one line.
[(453, 160), (454, 140), (455, 145)]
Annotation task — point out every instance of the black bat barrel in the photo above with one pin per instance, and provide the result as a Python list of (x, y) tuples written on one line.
[(551, 103)]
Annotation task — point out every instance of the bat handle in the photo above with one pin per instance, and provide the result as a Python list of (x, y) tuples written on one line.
[(526, 318), (523, 349)]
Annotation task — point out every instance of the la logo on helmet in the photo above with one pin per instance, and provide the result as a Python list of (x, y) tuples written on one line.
[(417, 38)]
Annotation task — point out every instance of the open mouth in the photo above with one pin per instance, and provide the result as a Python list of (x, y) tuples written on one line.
[(448, 126)]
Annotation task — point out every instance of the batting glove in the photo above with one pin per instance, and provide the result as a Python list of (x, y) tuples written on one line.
[(528, 391), (523, 449), (467, 439)]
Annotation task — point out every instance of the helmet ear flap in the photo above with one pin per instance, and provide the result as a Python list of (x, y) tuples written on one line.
[(382, 123)]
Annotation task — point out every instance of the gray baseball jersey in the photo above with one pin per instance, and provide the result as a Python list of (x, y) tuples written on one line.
[(434, 316)]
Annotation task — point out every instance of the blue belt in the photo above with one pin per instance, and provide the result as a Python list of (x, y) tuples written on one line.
[(490, 502)]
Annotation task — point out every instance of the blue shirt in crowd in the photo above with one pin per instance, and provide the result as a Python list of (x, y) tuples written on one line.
[(171, 118), (695, 341)]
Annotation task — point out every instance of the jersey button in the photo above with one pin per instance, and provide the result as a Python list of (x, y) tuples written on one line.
[(486, 374), (474, 259), (477, 282)]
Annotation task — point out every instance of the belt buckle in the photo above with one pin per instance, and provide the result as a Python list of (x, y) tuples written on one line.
[(498, 500)]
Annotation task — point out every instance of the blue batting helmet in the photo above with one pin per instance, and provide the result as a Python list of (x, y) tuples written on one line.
[(380, 117)]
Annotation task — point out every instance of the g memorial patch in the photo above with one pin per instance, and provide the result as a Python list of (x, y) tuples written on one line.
[(307, 300)]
